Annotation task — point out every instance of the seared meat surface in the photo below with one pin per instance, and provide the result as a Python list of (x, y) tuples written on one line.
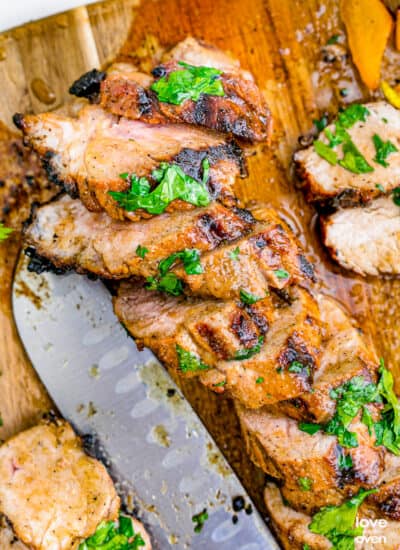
[(88, 154), (215, 331), (241, 111), (324, 181), (366, 239), (290, 455), (292, 527), (345, 354), (54, 495), (70, 236), (269, 256)]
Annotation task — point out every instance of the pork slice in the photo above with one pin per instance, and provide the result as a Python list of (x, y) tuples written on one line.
[(345, 354), (277, 445), (292, 530), (269, 256), (53, 493), (241, 111), (365, 239), (323, 181), (87, 155), (214, 331), (69, 236)]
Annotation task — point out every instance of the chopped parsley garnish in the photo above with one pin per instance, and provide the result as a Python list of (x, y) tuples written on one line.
[(309, 427), (234, 254), (220, 384), (345, 462), (321, 123), (248, 297), (260, 380), (326, 152), (352, 159), (352, 398), (333, 39), (169, 283), (173, 184), (188, 83), (396, 196), (387, 429), (190, 259), (199, 520), (306, 547), (141, 251), (5, 232), (336, 523), (282, 273), (344, 92), (297, 367), (246, 353), (305, 483), (383, 150), (188, 361), (111, 535), (380, 187)]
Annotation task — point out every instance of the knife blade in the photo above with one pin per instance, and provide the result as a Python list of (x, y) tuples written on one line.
[(153, 443)]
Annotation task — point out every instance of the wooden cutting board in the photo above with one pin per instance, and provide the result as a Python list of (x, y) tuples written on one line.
[(284, 43)]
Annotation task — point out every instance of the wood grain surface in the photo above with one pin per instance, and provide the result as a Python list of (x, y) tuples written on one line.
[(284, 43)]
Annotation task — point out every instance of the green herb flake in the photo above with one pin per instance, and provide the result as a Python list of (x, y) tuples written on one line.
[(246, 353), (387, 429), (173, 184), (5, 232), (248, 298), (168, 283), (326, 152), (296, 366), (334, 39), (384, 120), (112, 535), (220, 384), (188, 361), (383, 150), (321, 123), (190, 259), (396, 196), (309, 428), (306, 547), (282, 274), (353, 160), (352, 114), (344, 92), (367, 419), (380, 187), (260, 380), (141, 251), (234, 254), (305, 483), (345, 462), (199, 520), (336, 523), (188, 83)]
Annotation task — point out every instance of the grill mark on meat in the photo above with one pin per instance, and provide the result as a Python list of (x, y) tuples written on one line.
[(87, 153), (241, 111), (69, 236), (295, 350), (243, 327), (213, 340)]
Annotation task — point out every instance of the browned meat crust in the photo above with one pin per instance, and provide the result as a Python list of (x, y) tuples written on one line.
[(87, 154), (269, 256), (70, 236), (242, 111), (206, 329), (283, 451), (36, 468), (345, 355)]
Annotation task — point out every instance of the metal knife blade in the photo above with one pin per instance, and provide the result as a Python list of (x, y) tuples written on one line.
[(154, 443)]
